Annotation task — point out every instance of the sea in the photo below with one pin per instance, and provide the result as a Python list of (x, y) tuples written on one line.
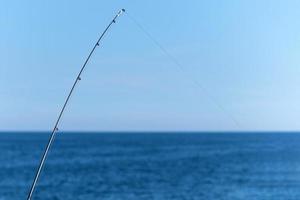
[(152, 166)]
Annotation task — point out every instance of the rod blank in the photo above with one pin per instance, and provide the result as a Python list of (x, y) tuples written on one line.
[(55, 128)]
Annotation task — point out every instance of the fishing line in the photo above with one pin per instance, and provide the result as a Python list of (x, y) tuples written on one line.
[(182, 69)]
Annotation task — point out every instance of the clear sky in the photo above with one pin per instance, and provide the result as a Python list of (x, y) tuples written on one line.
[(245, 54)]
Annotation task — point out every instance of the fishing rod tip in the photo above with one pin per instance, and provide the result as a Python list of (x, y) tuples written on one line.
[(120, 12)]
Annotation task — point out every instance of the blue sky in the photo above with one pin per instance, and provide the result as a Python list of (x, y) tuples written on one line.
[(245, 54)]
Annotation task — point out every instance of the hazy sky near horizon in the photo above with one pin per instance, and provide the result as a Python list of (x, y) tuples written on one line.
[(244, 53)]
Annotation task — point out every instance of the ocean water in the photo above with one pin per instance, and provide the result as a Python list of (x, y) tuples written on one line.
[(162, 166)]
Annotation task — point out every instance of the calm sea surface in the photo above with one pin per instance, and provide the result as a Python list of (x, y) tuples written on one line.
[(137, 166)]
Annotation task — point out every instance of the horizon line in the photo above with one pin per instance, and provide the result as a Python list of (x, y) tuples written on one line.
[(153, 131)]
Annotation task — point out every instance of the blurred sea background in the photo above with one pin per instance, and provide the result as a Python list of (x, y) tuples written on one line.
[(162, 166)]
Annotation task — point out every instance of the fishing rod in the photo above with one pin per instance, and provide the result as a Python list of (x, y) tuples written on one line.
[(55, 129)]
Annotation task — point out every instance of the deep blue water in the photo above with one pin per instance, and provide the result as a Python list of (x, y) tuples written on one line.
[(137, 166)]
